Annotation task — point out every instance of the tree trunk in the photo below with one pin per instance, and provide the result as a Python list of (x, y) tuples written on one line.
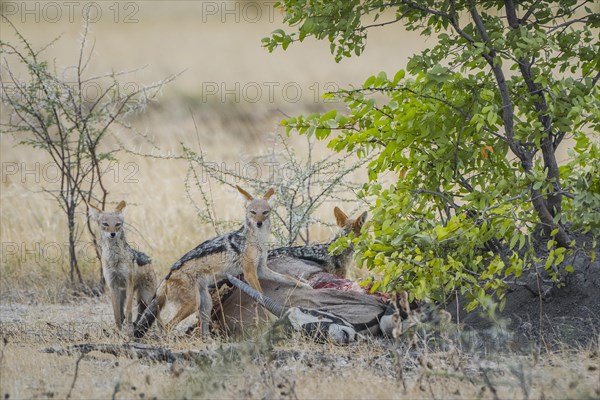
[(539, 203), (74, 267), (97, 250), (545, 208), (554, 198)]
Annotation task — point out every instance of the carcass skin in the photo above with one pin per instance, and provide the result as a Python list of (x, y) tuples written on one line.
[(241, 316)]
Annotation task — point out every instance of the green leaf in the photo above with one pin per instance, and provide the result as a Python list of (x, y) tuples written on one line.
[(331, 114), (398, 77), (369, 82)]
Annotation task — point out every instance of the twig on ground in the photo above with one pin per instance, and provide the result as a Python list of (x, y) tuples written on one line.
[(75, 374), (489, 383)]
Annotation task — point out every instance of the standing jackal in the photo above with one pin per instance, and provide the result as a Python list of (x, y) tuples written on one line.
[(242, 251), (123, 267)]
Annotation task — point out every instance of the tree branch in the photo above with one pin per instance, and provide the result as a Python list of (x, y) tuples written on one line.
[(571, 22), (507, 106), (541, 107), (529, 12)]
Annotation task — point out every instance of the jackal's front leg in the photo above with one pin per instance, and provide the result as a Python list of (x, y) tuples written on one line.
[(129, 295), (117, 296), (250, 269), (204, 307)]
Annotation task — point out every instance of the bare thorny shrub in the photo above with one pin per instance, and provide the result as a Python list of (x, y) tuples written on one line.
[(52, 111), (302, 184)]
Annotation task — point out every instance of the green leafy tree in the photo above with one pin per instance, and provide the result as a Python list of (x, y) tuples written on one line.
[(468, 133)]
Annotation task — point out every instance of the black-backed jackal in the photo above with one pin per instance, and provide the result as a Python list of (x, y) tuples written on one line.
[(319, 254), (243, 251), (125, 269), (178, 294)]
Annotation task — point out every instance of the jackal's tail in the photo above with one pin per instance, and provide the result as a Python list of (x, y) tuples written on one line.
[(151, 312), (141, 258), (147, 319)]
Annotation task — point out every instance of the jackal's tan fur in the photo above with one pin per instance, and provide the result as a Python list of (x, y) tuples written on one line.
[(123, 267)]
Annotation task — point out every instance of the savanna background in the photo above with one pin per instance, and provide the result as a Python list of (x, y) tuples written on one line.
[(226, 102)]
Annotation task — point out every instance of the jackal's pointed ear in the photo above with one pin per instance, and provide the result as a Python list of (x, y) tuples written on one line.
[(247, 195), (94, 212), (120, 206), (340, 217), (403, 301), (269, 193), (360, 221)]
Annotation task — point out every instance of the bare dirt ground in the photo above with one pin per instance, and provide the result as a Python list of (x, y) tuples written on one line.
[(538, 311)]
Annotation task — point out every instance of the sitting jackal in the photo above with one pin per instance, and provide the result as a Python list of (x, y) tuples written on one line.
[(186, 287), (125, 269)]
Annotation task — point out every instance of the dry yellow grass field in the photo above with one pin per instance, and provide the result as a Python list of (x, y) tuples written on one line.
[(217, 50)]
